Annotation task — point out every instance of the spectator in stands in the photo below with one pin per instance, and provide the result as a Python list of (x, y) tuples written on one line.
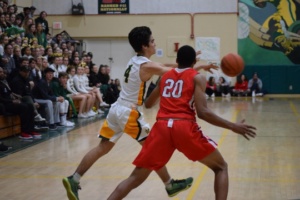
[(48, 52), (35, 72), (79, 83), (30, 33), (241, 86), (59, 90), (17, 56), (93, 78), (3, 23), (26, 24), (103, 77), (12, 18), (7, 61), (26, 51), (55, 65), (19, 24), (25, 14), (14, 105), (3, 41), (18, 41), (255, 85), (20, 85), (117, 87), (85, 100), (76, 61), (40, 35), (11, 9), (58, 39), (44, 95), (223, 87), (32, 10), (211, 87), (94, 90), (42, 20)]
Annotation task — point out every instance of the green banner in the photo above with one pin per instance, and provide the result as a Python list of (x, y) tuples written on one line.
[(113, 6)]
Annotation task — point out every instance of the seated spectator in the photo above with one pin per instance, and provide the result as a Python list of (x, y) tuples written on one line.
[(255, 85), (7, 61), (103, 77), (211, 87), (59, 90), (241, 86), (13, 104), (44, 95), (223, 88), (85, 102), (117, 87), (20, 85), (79, 83), (93, 78), (94, 91)]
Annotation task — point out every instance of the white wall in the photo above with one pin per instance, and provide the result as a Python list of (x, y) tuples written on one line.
[(119, 50)]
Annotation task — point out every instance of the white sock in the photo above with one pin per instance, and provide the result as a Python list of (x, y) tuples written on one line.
[(76, 177), (168, 183)]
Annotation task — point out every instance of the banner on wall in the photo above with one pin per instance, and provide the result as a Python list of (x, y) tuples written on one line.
[(113, 6), (209, 47)]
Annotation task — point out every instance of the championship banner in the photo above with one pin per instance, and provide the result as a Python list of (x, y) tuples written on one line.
[(113, 6)]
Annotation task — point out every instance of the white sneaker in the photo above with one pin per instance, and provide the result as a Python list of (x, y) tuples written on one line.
[(100, 111), (213, 95), (38, 118), (68, 124), (103, 104), (82, 115), (91, 113)]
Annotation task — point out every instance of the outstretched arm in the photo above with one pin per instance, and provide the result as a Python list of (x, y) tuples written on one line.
[(153, 97), (203, 112)]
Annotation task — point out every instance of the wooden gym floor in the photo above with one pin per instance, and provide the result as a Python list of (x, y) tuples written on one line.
[(265, 168)]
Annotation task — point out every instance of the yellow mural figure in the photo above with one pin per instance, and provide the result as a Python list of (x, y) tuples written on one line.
[(281, 29)]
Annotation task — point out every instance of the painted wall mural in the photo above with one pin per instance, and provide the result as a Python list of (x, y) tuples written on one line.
[(269, 32)]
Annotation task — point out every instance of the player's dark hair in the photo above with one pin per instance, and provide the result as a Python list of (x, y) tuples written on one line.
[(139, 37), (186, 56)]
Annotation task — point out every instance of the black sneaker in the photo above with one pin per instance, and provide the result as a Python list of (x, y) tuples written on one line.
[(52, 127), (4, 148), (39, 128)]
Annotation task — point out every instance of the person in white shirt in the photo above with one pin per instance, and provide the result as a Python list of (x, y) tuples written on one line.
[(79, 86)]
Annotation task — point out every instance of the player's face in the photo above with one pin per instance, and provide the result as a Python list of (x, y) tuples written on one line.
[(151, 46)]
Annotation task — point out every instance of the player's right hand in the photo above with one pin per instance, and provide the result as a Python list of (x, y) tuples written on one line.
[(247, 131)]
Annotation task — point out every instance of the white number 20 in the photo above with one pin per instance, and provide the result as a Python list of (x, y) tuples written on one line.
[(173, 89)]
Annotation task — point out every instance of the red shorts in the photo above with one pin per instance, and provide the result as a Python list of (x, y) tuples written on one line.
[(183, 135)]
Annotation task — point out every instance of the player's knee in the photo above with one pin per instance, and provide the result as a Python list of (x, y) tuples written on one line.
[(220, 167)]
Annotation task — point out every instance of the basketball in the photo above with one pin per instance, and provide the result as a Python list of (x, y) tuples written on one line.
[(232, 64)]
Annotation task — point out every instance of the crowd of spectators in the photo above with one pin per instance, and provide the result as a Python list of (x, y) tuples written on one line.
[(42, 75)]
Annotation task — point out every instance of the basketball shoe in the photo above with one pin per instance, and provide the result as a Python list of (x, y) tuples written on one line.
[(71, 187), (178, 186)]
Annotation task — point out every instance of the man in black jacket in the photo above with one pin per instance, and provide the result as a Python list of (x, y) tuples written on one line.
[(43, 94), (13, 104)]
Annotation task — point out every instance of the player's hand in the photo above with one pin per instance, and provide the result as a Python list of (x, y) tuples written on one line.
[(245, 130), (210, 67), (197, 54)]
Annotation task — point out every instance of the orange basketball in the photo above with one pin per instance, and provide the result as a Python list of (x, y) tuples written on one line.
[(232, 64)]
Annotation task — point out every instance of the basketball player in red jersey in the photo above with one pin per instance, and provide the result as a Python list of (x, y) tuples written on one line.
[(182, 92)]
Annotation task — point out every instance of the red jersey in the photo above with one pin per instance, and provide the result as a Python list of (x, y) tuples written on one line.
[(177, 94), (241, 86)]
